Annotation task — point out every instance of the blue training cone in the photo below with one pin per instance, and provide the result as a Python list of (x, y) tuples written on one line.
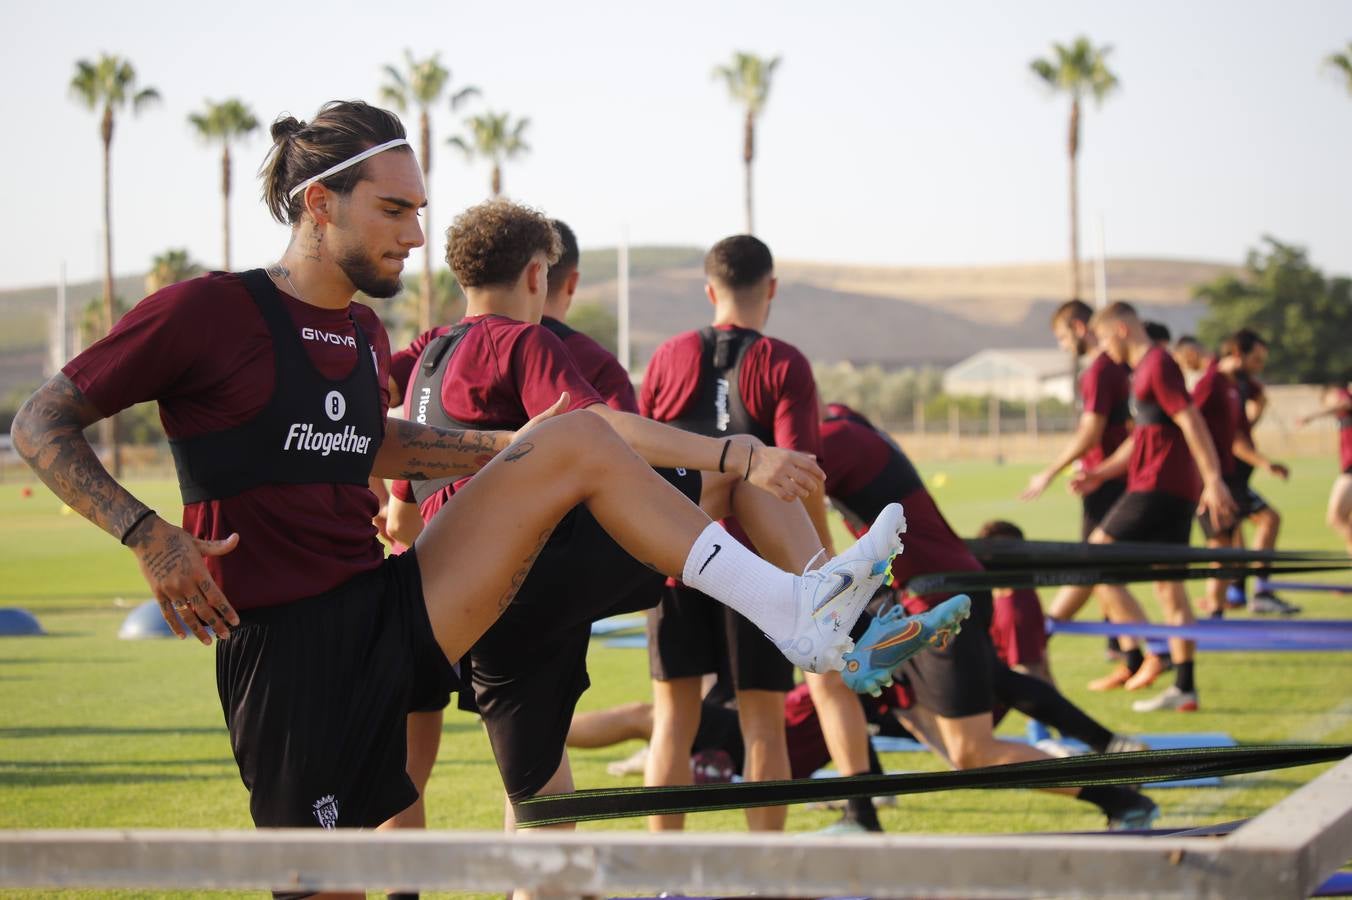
[(145, 622), (16, 622)]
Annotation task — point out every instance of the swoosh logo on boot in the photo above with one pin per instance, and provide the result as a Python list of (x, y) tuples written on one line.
[(846, 581), (912, 629)]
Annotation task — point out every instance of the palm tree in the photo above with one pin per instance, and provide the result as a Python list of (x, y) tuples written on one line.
[(171, 267), (423, 86), (748, 80), (495, 137), (1076, 70), (110, 83), (225, 121), (1340, 64)]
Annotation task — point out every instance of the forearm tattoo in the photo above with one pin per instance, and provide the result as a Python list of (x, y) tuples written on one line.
[(48, 434), (418, 452)]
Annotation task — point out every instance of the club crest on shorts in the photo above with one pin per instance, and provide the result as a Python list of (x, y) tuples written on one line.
[(326, 812)]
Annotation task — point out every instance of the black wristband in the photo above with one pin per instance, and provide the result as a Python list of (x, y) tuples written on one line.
[(750, 456), (135, 522), (723, 457)]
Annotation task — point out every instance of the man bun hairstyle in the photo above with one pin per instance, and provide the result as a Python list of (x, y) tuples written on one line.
[(301, 150), (491, 243), (568, 257), (740, 261), (1072, 311)]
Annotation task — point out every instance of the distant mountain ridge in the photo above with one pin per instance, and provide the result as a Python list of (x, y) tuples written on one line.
[(889, 316)]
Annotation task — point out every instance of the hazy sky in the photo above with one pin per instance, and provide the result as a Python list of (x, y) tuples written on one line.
[(900, 133)]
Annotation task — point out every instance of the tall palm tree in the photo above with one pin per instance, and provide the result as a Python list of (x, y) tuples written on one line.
[(1340, 64), (748, 81), (171, 267), (1077, 69), (422, 86), (224, 122), (494, 137), (109, 82)]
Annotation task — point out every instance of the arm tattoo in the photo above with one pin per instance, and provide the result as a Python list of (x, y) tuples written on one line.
[(48, 433), (418, 452)]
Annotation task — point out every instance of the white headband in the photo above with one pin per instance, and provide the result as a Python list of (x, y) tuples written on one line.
[(334, 170)]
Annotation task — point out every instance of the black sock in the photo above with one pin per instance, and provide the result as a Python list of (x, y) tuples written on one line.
[(1183, 677), (403, 895), (860, 809), (1039, 700), (1110, 798), (1134, 658)]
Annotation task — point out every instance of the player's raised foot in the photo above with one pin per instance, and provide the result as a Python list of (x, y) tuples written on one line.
[(1170, 698), (1266, 603), (831, 598), (1153, 667), (1137, 817), (895, 637)]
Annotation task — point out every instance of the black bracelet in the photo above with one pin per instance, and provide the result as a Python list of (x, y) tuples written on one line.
[(723, 457), (750, 456), (135, 522)]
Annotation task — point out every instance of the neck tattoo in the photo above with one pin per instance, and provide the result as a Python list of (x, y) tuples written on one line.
[(280, 270)]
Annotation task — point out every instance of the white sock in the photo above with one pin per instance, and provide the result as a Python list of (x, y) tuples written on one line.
[(718, 565)]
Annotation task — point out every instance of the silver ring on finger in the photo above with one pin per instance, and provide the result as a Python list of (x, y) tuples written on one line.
[(180, 605)]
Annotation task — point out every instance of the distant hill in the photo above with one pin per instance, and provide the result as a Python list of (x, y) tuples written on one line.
[(891, 316)]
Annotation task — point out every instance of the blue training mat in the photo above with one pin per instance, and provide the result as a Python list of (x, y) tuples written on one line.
[(615, 625), (1180, 741)]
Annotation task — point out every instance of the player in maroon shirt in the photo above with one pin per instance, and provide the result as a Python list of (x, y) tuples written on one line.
[(962, 683), (1245, 354), (729, 378), (1216, 396), (1105, 422), (498, 365), (1162, 459), (1337, 402), (270, 386)]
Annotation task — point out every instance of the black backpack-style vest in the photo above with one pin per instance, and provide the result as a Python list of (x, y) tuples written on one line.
[(313, 430), (897, 479), (719, 410), (424, 392), (557, 328)]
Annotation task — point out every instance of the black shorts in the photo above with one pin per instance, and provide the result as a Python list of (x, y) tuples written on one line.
[(530, 668), (691, 634), (315, 693), (1097, 504), (959, 680), (1151, 516), (1247, 502)]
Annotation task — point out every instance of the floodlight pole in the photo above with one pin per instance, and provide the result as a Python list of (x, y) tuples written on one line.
[(622, 300)]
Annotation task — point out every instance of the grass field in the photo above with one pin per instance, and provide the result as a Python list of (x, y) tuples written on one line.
[(97, 732)]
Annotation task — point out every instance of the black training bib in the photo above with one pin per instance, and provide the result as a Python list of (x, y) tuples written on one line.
[(313, 430), (897, 479), (719, 410)]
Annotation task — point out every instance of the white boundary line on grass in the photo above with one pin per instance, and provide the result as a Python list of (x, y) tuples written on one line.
[(1284, 853)]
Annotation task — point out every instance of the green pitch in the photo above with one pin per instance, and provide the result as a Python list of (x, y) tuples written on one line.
[(98, 733)]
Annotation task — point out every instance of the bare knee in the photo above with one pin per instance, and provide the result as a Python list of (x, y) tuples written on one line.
[(971, 753), (578, 438)]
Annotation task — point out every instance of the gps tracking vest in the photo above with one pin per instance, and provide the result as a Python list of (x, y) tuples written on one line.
[(897, 479), (425, 407), (313, 430), (718, 410)]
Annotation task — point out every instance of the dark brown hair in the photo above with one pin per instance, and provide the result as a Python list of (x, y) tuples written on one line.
[(491, 243), (1117, 311), (999, 528), (301, 150), (1157, 332), (740, 261), (1246, 339), (568, 257), (1072, 311)]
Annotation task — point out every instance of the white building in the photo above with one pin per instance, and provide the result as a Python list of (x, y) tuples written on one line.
[(1012, 375)]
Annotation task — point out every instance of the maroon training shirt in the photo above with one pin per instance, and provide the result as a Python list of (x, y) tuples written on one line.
[(1345, 431), (202, 349), (602, 371), (852, 455), (776, 385), (1103, 388), (1216, 396), (503, 371), (1018, 627), (1160, 459)]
